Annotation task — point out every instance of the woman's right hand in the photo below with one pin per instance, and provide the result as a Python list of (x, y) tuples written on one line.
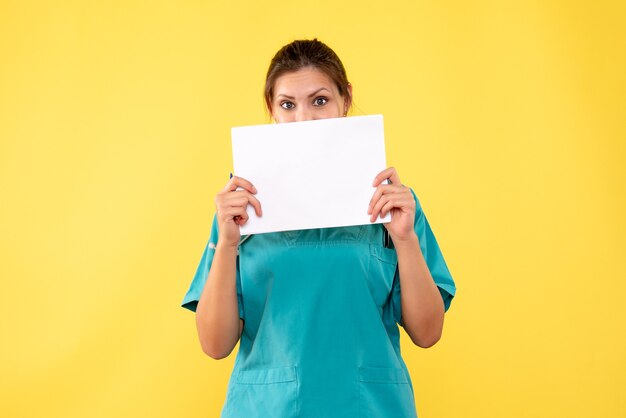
[(230, 207)]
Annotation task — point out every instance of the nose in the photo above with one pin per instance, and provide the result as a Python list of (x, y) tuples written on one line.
[(303, 113)]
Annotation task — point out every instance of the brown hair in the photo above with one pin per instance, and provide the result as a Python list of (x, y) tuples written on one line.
[(305, 53)]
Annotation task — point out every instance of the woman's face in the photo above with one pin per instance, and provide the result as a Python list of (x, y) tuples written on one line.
[(306, 94)]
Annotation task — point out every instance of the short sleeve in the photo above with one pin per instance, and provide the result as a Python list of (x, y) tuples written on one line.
[(190, 301), (434, 259)]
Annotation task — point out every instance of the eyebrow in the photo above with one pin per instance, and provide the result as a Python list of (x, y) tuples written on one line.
[(310, 95)]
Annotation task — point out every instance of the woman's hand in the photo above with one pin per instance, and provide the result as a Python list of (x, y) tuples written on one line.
[(230, 207), (398, 200)]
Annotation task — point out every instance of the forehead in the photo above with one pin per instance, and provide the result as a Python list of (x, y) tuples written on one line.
[(302, 82)]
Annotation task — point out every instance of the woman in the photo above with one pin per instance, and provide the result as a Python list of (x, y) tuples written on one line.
[(317, 311)]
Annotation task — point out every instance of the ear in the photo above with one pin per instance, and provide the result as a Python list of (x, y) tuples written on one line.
[(268, 106), (348, 100)]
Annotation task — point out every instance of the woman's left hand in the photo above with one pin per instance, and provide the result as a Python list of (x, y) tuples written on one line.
[(394, 198)]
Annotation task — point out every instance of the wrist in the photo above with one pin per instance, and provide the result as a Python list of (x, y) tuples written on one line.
[(410, 241), (226, 247)]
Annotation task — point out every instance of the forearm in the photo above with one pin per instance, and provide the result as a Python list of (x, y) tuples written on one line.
[(422, 305), (217, 313)]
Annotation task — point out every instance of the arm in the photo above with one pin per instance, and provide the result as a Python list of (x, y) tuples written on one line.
[(422, 306), (217, 314)]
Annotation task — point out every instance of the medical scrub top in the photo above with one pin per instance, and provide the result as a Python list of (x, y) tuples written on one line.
[(321, 309)]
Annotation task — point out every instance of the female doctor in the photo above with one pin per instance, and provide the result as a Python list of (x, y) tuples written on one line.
[(317, 311)]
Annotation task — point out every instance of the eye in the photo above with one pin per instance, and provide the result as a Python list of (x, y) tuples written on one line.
[(320, 101), (287, 105)]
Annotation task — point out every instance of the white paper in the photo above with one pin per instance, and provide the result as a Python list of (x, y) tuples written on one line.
[(311, 174)]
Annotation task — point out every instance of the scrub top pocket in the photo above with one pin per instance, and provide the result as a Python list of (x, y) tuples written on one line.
[(382, 269), (385, 392), (263, 392)]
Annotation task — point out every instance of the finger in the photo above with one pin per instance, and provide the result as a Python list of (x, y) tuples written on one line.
[(256, 205), (386, 209), (398, 202), (389, 173), (240, 202), (378, 206), (241, 198), (383, 189), (386, 203), (242, 219), (235, 213), (235, 182)]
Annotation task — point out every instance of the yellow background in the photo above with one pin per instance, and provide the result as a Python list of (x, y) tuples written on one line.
[(507, 118)]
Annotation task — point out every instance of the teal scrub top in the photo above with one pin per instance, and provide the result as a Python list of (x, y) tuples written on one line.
[(321, 309)]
